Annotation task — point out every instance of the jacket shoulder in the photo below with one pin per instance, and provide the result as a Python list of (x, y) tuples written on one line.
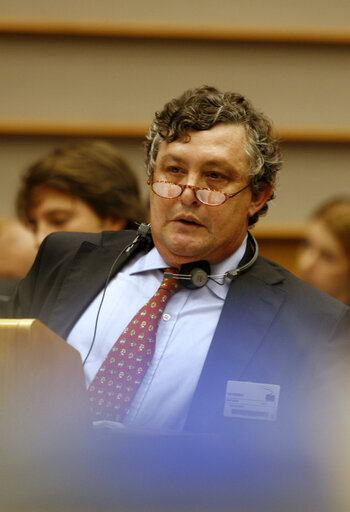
[(62, 242)]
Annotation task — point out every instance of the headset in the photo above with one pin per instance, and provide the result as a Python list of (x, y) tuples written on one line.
[(191, 275), (197, 273)]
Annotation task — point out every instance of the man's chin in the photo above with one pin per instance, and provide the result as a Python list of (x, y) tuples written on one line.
[(179, 248), (178, 255), (185, 245)]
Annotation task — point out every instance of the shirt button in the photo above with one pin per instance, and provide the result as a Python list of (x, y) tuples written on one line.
[(166, 317)]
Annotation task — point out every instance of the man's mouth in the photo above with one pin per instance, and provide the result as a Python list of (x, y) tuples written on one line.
[(188, 221), (183, 221)]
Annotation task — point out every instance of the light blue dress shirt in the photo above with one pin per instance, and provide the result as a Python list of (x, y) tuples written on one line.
[(183, 338)]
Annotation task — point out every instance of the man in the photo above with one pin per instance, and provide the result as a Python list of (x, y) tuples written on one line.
[(84, 186), (234, 357)]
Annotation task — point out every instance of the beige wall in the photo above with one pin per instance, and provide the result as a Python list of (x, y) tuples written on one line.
[(66, 78)]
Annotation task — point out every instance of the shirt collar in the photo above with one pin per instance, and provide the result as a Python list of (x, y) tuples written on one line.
[(153, 261)]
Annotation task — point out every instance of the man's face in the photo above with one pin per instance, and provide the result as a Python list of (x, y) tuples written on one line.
[(184, 229), (53, 210)]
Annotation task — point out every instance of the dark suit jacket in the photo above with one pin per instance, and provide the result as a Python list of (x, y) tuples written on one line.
[(273, 328), (7, 288)]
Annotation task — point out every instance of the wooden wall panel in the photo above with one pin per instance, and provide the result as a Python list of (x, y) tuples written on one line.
[(280, 243), (298, 13), (127, 80)]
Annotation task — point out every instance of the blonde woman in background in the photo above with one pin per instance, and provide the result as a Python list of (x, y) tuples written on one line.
[(324, 260)]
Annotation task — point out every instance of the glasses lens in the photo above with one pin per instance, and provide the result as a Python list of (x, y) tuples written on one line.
[(210, 197), (168, 190)]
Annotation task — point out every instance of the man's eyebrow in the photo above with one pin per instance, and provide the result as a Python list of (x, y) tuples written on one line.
[(215, 162), (171, 158), (222, 164), (218, 163)]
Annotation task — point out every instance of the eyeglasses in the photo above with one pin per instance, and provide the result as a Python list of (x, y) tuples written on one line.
[(169, 190)]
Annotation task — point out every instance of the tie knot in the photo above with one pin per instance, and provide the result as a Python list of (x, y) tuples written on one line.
[(170, 283)]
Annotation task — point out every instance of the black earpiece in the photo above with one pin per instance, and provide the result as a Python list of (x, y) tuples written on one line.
[(196, 274), (143, 237)]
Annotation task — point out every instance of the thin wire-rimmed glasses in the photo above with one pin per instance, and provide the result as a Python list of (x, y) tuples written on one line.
[(169, 190)]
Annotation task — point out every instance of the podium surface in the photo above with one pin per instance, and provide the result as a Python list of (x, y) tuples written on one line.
[(42, 390)]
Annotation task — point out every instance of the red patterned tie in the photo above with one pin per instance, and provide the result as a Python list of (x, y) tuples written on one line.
[(121, 373)]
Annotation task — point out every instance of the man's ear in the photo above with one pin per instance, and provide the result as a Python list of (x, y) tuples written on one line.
[(258, 200), (113, 224)]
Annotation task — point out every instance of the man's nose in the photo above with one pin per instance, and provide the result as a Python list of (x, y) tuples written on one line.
[(188, 195)]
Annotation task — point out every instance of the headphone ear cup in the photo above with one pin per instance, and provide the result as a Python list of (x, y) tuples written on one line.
[(199, 272)]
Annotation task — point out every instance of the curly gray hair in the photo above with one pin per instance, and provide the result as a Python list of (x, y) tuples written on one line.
[(204, 107)]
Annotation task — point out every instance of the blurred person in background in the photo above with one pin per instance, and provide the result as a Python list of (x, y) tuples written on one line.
[(84, 186), (17, 253), (324, 259)]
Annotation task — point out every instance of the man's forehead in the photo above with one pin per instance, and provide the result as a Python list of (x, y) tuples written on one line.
[(217, 146)]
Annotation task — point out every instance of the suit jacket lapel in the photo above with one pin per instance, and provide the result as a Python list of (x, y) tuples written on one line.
[(250, 307), (85, 278)]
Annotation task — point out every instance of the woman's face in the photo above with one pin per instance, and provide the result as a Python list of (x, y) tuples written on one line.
[(324, 263)]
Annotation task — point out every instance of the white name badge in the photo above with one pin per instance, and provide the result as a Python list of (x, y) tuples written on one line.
[(251, 400)]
